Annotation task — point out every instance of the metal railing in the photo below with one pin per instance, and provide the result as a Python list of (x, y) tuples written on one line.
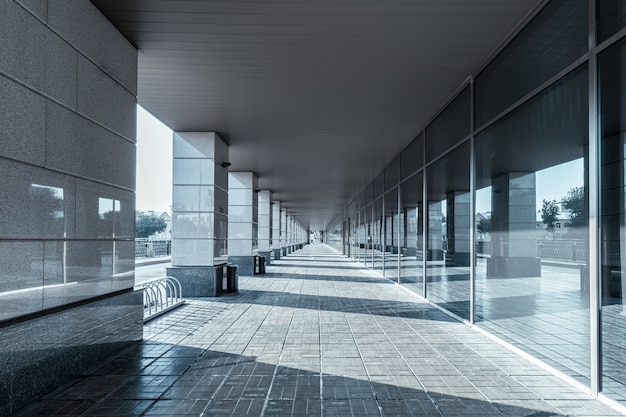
[(160, 295), (159, 247)]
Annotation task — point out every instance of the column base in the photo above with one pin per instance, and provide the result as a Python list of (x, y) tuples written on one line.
[(457, 259), (513, 267), (245, 264), (199, 281), (284, 251), (267, 255), (276, 254)]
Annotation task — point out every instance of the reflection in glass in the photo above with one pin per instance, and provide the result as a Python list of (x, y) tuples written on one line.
[(47, 210), (612, 77), (412, 234), (531, 231), (377, 236), (391, 246), (448, 260)]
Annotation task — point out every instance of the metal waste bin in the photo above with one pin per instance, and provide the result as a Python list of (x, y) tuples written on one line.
[(261, 264), (232, 283)]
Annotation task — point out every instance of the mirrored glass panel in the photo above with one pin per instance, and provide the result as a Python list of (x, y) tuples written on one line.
[(391, 234), (448, 258), (377, 231), (532, 274), (612, 74), (611, 18), (412, 234)]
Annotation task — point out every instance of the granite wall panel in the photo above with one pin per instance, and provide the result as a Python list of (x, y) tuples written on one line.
[(80, 147), (103, 100), (23, 119), (81, 24)]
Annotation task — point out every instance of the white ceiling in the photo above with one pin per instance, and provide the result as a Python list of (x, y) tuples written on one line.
[(315, 97)]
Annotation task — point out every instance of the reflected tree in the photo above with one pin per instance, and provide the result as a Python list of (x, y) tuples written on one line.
[(549, 213)]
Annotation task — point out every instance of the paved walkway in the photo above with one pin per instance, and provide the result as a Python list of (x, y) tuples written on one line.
[(316, 336)]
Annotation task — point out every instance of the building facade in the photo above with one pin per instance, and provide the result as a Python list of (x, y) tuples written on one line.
[(541, 121)]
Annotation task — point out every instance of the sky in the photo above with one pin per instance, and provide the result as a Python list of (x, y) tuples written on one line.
[(154, 163)]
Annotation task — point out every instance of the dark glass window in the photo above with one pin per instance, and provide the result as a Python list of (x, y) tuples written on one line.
[(412, 159), (611, 18), (555, 38), (450, 127), (379, 186), (391, 175)]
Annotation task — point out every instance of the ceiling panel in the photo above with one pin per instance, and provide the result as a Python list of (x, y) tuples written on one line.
[(314, 97)]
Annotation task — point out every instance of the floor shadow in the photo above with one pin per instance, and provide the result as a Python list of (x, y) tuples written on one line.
[(165, 379), (388, 308)]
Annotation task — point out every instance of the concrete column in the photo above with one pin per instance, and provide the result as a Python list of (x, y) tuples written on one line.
[(457, 229), (283, 231), (265, 216), (288, 234), (243, 220), (513, 230), (276, 229), (199, 212)]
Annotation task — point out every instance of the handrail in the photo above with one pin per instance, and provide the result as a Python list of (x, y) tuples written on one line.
[(160, 295)]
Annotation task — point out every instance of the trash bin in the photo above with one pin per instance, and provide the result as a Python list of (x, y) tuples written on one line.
[(231, 278), (261, 264)]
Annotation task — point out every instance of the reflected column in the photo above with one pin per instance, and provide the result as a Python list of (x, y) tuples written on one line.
[(457, 229), (513, 220)]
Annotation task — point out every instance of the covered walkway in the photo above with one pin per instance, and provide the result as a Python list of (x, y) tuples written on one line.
[(316, 336)]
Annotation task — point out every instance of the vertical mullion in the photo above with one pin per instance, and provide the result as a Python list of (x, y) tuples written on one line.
[(472, 230), (594, 211)]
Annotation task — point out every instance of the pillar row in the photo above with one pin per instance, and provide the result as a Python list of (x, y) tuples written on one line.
[(265, 219), (283, 231), (276, 229)]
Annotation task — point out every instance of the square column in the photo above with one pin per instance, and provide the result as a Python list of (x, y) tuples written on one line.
[(243, 220), (289, 226), (276, 229), (283, 231), (265, 218), (199, 212)]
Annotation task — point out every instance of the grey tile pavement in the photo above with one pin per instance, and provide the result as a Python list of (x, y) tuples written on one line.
[(316, 336)]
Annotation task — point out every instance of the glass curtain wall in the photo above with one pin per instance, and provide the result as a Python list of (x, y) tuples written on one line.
[(532, 274), (532, 241)]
